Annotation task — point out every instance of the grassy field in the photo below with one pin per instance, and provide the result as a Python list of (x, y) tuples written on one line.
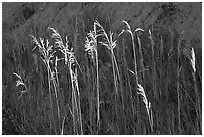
[(92, 79)]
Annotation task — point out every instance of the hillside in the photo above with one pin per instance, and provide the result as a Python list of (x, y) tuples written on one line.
[(164, 70)]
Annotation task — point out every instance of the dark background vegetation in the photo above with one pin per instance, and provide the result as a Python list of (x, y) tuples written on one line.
[(29, 114)]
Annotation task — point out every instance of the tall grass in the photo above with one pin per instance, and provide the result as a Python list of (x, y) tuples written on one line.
[(72, 63), (147, 105), (190, 54), (92, 48), (140, 53), (46, 53), (54, 77), (129, 30), (110, 44), (101, 94)]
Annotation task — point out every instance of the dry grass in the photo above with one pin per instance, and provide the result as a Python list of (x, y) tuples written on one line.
[(46, 53), (111, 91), (72, 63)]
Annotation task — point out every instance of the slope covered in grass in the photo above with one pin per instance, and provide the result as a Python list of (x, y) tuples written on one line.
[(163, 59)]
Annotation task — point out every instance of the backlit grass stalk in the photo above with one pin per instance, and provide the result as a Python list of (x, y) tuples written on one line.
[(62, 129), (56, 71), (47, 53), (91, 48), (65, 50), (111, 47), (79, 99), (129, 30), (75, 88), (190, 54), (147, 105), (56, 87), (56, 94), (110, 44), (133, 46), (72, 64), (56, 84), (141, 55), (193, 64), (75, 109)]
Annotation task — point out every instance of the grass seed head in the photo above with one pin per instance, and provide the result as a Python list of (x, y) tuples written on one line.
[(58, 39), (129, 29), (138, 29), (109, 43), (45, 49), (193, 59), (68, 52), (142, 92), (190, 54), (20, 82), (90, 46), (126, 24)]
